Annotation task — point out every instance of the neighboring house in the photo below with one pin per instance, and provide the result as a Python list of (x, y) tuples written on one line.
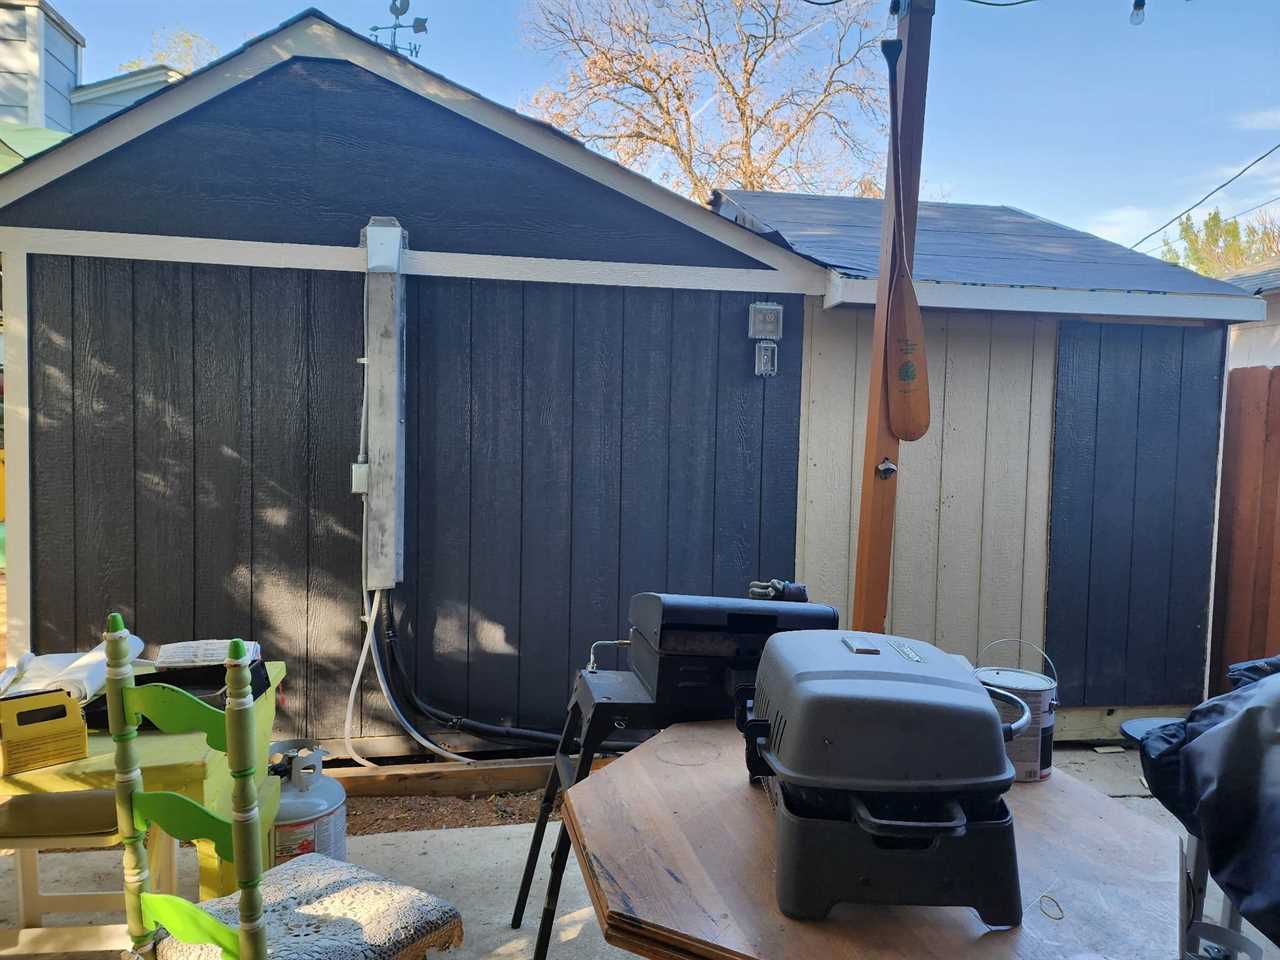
[(584, 419), (41, 57), (19, 142), (1258, 344)]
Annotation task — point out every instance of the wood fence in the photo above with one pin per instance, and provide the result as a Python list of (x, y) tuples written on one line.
[(1246, 608)]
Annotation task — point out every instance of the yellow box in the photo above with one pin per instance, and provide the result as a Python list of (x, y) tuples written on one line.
[(41, 729)]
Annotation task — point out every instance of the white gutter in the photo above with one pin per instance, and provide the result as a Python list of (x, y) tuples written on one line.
[(851, 291)]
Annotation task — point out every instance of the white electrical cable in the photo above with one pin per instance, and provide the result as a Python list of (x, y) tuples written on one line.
[(370, 624)]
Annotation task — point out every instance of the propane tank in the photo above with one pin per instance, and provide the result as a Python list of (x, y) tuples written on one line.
[(313, 806)]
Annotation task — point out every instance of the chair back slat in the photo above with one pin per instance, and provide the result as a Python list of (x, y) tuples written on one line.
[(183, 818), (175, 711), (186, 922)]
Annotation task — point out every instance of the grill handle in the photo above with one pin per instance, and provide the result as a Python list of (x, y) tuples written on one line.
[(1011, 730), (910, 828)]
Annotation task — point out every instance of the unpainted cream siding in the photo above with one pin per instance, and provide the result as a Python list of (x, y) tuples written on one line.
[(971, 528), (1257, 344)]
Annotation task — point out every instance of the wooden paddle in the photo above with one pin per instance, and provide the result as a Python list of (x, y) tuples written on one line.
[(906, 367)]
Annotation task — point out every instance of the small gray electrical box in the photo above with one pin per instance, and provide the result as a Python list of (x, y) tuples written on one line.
[(766, 358), (764, 321)]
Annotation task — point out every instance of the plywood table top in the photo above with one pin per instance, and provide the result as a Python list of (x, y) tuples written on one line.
[(678, 852)]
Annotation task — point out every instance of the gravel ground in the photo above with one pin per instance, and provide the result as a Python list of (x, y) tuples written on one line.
[(366, 815)]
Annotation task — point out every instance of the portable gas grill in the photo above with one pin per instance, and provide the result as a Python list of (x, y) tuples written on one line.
[(886, 765)]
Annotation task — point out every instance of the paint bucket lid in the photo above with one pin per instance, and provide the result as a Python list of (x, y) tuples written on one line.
[(1011, 678)]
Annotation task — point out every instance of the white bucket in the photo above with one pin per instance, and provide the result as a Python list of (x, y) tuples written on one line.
[(1031, 751)]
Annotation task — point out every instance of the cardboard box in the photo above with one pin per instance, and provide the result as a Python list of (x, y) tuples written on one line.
[(40, 729)]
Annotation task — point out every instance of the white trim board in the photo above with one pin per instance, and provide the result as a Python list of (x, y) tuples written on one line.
[(415, 262), (850, 291), (313, 37), (17, 433)]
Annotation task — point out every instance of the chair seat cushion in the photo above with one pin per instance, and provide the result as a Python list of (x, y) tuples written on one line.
[(317, 907), (80, 813)]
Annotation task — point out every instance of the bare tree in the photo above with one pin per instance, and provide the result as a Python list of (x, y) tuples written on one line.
[(184, 50), (754, 94)]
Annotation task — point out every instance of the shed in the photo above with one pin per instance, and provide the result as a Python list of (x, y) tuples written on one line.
[(182, 299), (184, 313), (1258, 344), (1065, 493)]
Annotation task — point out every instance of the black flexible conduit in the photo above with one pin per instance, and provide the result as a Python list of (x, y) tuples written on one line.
[(487, 731)]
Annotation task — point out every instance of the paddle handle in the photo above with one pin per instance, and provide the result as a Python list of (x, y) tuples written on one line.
[(906, 364)]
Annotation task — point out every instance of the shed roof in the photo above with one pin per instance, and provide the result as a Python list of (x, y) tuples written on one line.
[(1259, 282), (960, 243)]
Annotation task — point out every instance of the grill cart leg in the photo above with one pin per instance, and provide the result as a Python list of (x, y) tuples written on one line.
[(568, 739), (596, 726)]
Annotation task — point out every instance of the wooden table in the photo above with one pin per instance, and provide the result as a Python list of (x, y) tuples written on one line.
[(182, 763), (677, 849)]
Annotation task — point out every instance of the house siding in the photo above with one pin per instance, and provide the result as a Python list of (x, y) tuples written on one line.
[(1136, 429), (969, 555), (569, 446)]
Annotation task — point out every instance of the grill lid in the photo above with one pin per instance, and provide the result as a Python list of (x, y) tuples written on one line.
[(868, 712)]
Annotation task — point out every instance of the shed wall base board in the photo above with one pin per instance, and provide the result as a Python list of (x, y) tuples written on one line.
[(1099, 724), (448, 779)]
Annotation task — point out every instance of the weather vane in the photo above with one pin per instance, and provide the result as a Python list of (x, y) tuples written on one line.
[(419, 25)]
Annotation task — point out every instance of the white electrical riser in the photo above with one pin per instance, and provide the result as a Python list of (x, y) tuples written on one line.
[(382, 479)]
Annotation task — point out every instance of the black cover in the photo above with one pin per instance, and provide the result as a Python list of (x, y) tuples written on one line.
[(208, 683), (1218, 772), (660, 616)]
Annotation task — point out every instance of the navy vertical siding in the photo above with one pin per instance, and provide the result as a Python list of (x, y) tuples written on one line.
[(1131, 515), (569, 446)]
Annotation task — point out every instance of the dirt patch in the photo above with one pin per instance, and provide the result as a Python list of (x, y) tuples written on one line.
[(395, 814)]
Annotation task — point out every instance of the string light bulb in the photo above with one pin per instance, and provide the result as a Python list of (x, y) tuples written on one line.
[(1139, 12)]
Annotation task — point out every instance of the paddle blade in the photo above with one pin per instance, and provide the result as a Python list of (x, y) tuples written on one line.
[(907, 368)]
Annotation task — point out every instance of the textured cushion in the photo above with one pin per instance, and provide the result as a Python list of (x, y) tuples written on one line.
[(81, 813), (317, 907)]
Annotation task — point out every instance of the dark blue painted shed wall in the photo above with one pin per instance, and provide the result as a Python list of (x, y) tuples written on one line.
[(1131, 513), (307, 151), (568, 446)]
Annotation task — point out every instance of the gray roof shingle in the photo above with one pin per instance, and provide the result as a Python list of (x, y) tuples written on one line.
[(1255, 281), (960, 243)]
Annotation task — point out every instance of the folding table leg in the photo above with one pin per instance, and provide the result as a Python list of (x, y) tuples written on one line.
[(572, 724), (26, 865), (163, 853), (592, 738)]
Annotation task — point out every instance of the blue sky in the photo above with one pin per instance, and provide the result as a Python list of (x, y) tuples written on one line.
[(1058, 107)]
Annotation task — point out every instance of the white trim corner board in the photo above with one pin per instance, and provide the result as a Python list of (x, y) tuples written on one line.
[(17, 454)]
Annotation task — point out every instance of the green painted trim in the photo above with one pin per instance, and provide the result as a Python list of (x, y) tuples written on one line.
[(176, 711), (183, 818), (186, 922)]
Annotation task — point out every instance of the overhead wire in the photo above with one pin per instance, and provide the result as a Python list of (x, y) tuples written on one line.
[(1234, 216), (1222, 186)]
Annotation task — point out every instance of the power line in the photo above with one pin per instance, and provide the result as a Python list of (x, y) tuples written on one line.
[(1234, 216), (1226, 183)]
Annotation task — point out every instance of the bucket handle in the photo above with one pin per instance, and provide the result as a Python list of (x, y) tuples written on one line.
[(1022, 643)]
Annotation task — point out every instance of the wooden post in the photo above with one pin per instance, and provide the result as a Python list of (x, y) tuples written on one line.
[(124, 732), (246, 834), (872, 566)]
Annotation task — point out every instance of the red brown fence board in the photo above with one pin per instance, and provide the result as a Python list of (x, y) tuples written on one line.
[(1246, 617)]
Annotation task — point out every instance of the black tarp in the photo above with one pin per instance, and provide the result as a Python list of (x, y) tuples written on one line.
[(1218, 772)]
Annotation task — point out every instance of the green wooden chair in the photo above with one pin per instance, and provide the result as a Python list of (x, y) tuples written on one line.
[(310, 907)]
